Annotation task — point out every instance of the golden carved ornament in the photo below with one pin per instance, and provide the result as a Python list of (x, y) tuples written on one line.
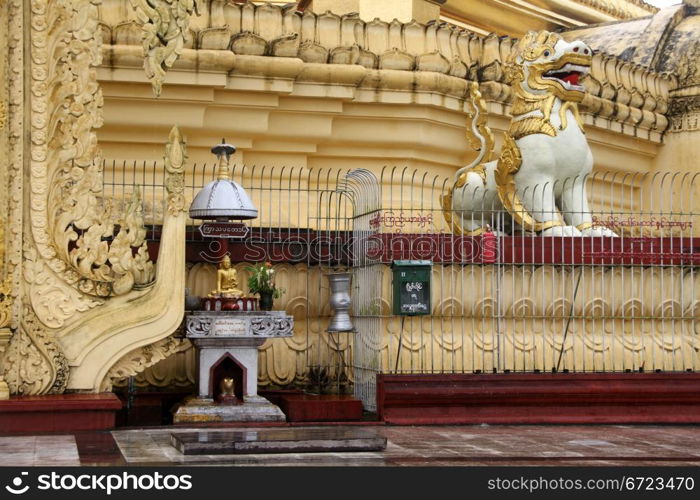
[(70, 226), (165, 26), (536, 80), (175, 158), (568, 105), (522, 69), (508, 165), (144, 357), (68, 263), (534, 44), (481, 139), (5, 302), (479, 134), (14, 159), (33, 363), (3, 114)]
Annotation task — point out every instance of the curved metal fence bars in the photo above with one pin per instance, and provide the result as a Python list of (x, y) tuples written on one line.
[(502, 300)]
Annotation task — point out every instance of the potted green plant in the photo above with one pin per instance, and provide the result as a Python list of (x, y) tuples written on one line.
[(262, 282)]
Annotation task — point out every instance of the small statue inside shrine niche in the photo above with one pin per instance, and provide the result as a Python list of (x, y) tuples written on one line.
[(227, 395), (226, 281)]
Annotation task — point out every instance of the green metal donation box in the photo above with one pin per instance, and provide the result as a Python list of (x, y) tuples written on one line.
[(411, 287)]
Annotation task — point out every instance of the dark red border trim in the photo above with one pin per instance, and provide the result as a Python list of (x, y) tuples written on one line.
[(611, 398)]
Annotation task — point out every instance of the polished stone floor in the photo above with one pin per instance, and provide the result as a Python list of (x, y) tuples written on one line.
[(564, 445)]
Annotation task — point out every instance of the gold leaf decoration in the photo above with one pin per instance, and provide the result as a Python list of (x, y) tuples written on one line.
[(508, 165), (33, 362), (144, 357), (175, 157), (165, 25), (70, 226)]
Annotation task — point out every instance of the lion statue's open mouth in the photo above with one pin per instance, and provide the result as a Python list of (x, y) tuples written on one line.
[(568, 76), (560, 73)]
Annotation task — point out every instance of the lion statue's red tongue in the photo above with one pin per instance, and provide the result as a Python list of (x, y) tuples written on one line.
[(572, 78)]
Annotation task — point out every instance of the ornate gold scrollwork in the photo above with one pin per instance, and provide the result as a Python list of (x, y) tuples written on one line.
[(165, 25), (568, 105), (478, 132), (3, 114), (5, 332), (71, 228), (5, 302), (175, 157), (508, 165), (480, 138), (139, 359), (33, 363), (69, 264)]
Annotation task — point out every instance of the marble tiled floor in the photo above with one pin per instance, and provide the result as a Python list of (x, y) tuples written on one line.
[(20, 451), (575, 445)]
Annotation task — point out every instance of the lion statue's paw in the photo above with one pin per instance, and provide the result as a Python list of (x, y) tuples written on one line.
[(599, 231), (561, 231)]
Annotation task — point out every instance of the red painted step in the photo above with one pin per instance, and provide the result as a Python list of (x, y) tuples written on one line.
[(320, 408), (58, 413), (613, 398)]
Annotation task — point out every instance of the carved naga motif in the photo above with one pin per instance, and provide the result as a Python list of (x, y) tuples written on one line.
[(165, 25)]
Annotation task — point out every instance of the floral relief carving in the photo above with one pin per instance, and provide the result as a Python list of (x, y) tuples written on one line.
[(33, 363), (5, 303), (3, 115), (281, 31), (175, 157), (77, 252), (72, 229), (165, 29), (52, 303), (15, 132), (139, 359)]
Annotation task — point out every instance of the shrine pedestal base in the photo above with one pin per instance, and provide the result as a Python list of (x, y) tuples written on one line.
[(227, 349), (208, 411)]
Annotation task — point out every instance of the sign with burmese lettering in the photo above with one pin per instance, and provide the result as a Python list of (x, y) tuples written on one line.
[(224, 230), (411, 287), (229, 327)]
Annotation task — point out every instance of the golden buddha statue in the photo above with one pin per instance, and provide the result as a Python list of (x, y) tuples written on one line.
[(227, 396), (226, 281), (227, 386)]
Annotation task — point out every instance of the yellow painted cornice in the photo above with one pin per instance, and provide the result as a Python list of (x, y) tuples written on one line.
[(515, 17)]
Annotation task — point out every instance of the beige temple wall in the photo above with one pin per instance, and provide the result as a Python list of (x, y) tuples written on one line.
[(299, 111), (342, 94), (617, 319)]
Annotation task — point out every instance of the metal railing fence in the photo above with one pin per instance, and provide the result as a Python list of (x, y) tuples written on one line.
[(503, 300)]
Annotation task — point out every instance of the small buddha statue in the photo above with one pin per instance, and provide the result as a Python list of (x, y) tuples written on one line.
[(227, 386), (227, 395), (226, 281)]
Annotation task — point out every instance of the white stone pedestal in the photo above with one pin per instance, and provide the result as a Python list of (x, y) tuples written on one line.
[(236, 336)]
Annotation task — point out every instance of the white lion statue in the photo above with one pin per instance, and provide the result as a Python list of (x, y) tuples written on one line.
[(541, 173)]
